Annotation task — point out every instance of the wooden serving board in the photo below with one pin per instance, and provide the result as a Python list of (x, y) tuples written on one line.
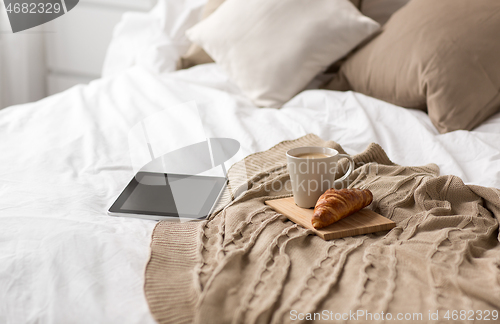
[(362, 222)]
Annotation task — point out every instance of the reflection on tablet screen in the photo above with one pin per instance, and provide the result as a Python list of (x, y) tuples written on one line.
[(179, 195)]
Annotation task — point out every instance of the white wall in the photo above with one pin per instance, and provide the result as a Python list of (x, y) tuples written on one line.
[(22, 64), (67, 51), (77, 42)]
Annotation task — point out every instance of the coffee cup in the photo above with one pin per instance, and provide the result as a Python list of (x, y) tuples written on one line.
[(313, 171)]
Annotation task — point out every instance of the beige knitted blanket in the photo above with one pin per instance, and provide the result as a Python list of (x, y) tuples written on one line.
[(249, 264)]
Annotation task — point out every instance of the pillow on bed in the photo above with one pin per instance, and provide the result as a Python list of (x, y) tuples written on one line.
[(443, 55), (196, 55), (381, 10), (273, 49)]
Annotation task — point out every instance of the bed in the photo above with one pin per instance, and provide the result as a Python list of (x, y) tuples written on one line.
[(65, 159)]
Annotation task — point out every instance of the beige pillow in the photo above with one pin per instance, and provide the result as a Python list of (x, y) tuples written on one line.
[(196, 55), (381, 10), (441, 54), (273, 49)]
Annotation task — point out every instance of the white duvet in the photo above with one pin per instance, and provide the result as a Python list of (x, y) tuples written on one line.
[(65, 159)]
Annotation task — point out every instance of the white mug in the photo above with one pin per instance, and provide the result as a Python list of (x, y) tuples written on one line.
[(312, 171)]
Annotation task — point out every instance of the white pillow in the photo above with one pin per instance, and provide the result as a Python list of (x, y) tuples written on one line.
[(154, 40), (273, 48)]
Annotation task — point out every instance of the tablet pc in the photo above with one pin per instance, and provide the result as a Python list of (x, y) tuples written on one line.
[(166, 196)]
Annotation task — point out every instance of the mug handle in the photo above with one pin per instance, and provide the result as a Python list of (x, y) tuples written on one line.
[(349, 171)]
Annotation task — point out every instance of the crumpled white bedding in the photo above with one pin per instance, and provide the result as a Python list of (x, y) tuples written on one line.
[(65, 159)]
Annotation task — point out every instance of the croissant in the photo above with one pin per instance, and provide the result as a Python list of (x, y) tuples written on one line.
[(334, 205)]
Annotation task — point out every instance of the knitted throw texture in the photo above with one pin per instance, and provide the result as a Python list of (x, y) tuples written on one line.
[(249, 264)]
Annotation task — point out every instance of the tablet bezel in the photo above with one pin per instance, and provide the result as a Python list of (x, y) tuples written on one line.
[(211, 200)]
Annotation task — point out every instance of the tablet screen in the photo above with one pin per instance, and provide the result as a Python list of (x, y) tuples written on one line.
[(169, 195)]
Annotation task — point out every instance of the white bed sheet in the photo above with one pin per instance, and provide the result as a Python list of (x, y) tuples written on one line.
[(65, 159)]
